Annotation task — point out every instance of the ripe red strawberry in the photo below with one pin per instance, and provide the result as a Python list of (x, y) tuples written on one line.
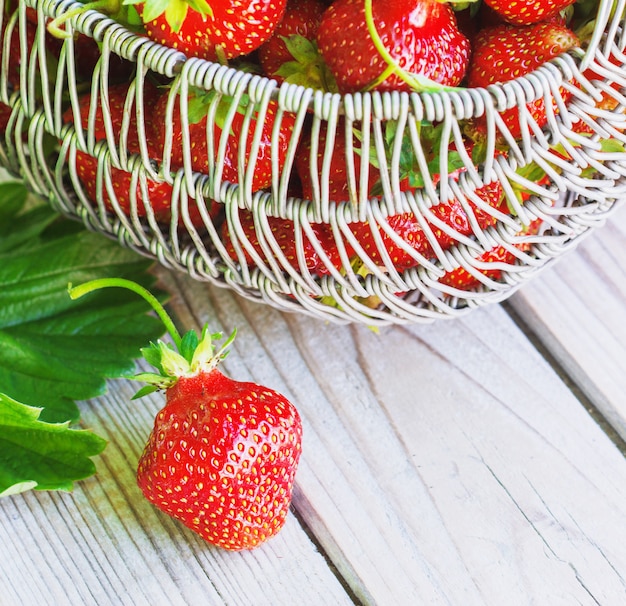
[(404, 226), (338, 188), (197, 121), (506, 52), (211, 29), (527, 12), (609, 99), (463, 280), (407, 228), (14, 61), (490, 264), (223, 454), (420, 39), (291, 53), (15, 58), (283, 231), (117, 95), (159, 193), (5, 116)]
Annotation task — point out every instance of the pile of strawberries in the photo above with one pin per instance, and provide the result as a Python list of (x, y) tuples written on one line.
[(343, 46)]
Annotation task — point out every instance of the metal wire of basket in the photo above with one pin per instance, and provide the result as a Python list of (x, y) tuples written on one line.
[(576, 197)]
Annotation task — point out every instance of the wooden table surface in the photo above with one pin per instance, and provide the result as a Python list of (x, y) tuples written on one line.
[(476, 461)]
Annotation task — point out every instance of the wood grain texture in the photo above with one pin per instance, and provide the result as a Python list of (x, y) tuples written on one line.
[(105, 544), (444, 464), (577, 310)]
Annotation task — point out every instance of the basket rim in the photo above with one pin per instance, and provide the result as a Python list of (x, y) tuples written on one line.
[(463, 101), (278, 280)]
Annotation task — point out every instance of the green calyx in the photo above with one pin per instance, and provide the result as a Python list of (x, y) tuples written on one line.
[(187, 356), (195, 355), (175, 10)]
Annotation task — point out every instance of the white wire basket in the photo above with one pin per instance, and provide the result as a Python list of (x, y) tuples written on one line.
[(205, 233)]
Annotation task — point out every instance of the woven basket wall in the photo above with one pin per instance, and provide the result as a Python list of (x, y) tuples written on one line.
[(576, 196)]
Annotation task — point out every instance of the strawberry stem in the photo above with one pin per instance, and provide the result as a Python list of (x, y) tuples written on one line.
[(417, 82), (56, 27), (76, 292)]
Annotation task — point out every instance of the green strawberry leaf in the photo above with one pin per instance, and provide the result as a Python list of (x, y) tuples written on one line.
[(151, 9), (301, 49), (40, 455), (13, 198), (53, 350), (175, 10), (133, 20), (198, 104), (32, 221)]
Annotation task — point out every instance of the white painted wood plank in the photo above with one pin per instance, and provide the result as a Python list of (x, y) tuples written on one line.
[(577, 309), (104, 544), (443, 464)]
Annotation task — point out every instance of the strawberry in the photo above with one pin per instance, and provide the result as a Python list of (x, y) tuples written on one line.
[(5, 116), (159, 193), (413, 44), (490, 264), (527, 12), (15, 59), (463, 280), (291, 53), (506, 52), (283, 232), (211, 29), (222, 455), (452, 214), (338, 188), (199, 104), (407, 228)]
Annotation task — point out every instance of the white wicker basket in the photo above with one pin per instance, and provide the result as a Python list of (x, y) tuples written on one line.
[(577, 196)]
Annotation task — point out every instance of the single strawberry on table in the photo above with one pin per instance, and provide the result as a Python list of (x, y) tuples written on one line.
[(223, 454)]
